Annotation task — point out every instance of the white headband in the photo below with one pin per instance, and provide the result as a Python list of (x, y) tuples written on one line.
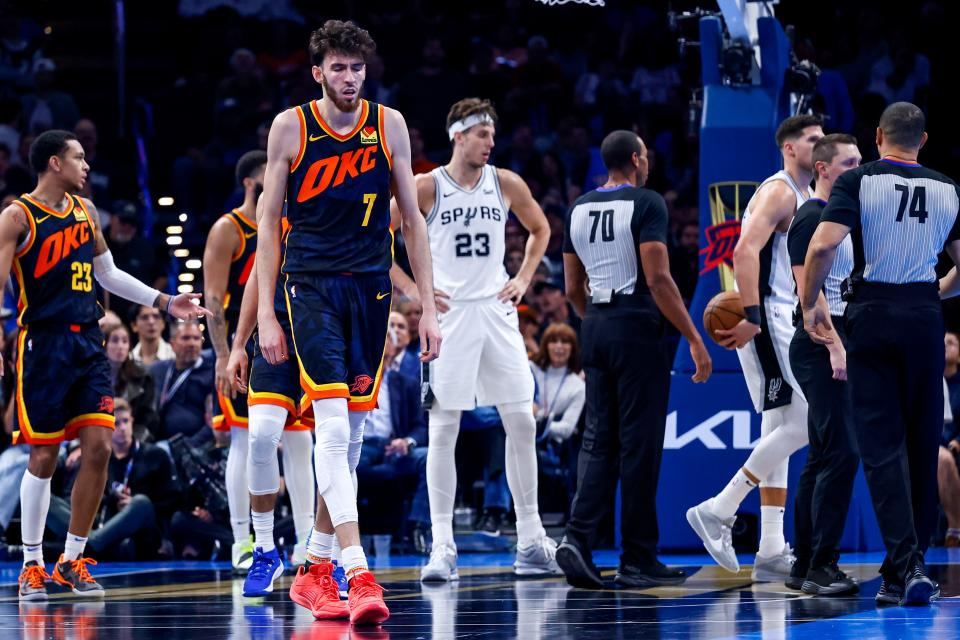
[(469, 121)]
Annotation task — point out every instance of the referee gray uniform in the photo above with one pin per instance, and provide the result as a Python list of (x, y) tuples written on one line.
[(900, 215), (626, 366)]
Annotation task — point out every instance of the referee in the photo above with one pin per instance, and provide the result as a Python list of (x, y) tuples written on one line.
[(616, 238), (899, 214)]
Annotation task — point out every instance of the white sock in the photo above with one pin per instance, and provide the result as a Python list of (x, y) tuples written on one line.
[(521, 464), (726, 503), (298, 477), (319, 546), (74, 546), (444, 426), (771, 531), (263, 529), (238, 492), (336, 552), (34, 504), (354, 561)]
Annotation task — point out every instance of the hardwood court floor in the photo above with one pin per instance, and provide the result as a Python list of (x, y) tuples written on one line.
[(202, 600)]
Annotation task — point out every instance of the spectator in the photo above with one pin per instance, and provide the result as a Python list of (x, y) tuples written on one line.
[(139, 497), (412, 310), (445, 88), (561, 392), (131, 382), (948, 477), (515, 236), (131, 251), (101, 171), (184, 387), (421, 163), (148, 324), (48, 107), (108, 321), (529, 328), (405, 363), (902, 74), (685, 260), (512, 261), (554, 307), (395, 435)]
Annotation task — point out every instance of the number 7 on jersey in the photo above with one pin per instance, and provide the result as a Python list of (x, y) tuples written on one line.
[(368, 199)]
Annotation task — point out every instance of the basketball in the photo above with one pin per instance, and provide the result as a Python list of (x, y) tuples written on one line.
[(723, 311)]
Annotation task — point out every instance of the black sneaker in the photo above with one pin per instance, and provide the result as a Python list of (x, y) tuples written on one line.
[(920, 588), (74, 575), (490, 522), (578, 566), (798, 573), (828, 580), (889, 593), (656, 575)]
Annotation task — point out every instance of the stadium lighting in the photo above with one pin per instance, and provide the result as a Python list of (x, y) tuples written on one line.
[(194, 263), (186, 277), (174, 240), (183, 217), (174, 230), (181, 253), (185, 288), (165, 201)]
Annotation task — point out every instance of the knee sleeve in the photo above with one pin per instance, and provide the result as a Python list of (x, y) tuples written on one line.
[(443, 428), (786, 432), (357, 419), (330, 459), (266, 427), (238, 496), (521, 456)]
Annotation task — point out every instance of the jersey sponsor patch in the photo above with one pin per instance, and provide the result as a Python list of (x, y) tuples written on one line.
[(368, 135)]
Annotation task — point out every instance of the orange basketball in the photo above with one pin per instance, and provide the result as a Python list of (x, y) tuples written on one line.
[(723, 311)]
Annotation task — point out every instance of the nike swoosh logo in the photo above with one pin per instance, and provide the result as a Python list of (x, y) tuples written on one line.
[(314, 138), (39, 220), (249, 235), (381, 296), (447, 195), (488, 191)]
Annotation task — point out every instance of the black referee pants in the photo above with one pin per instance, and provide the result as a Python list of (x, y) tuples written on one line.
[(826, 483), (628, 384), (895, 360)]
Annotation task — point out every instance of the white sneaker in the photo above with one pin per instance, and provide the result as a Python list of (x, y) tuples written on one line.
[(538, 559), (773, 568), (299, 555), (241, 556), (442, 566), (716, 534)]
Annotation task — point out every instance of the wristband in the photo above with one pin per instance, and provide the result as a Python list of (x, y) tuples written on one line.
[(752, 314), (170, 304)]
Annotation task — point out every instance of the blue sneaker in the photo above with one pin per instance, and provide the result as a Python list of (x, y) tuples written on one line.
[(264, 570), (340, 577)]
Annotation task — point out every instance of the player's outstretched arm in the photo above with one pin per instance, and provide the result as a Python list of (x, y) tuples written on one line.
[(184, 306), (820, 255), (283, 142), (518, 199), (222, 242), (414, 229), (656, 269), (13, 227)]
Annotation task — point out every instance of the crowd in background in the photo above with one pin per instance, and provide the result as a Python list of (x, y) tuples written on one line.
[(196, 104)]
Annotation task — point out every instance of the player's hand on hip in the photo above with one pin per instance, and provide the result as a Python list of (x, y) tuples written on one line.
[(741, 334), (816, 322), (440, 298), (186, 306), (236, 370), (702, 360), (273, 343), (429, 337), (838, 361), (513, 290)]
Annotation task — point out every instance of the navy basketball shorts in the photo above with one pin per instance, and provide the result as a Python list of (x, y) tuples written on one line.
[(279, 385), (339, 333), (63, 383)]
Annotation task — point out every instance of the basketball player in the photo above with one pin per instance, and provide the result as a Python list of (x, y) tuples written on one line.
[(826, 484), (52, 239), (900, 216), (762, 271), (335, 161), (274, 417), (227, 260), (485, 362)]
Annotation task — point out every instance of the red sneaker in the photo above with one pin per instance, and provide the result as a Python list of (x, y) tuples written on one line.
[(366, 600), (315, 589)]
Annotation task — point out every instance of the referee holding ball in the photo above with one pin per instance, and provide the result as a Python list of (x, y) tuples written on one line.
[(899, 215), (616, 239)]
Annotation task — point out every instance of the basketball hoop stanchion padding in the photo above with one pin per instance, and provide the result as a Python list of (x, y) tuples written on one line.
[(711, 428)]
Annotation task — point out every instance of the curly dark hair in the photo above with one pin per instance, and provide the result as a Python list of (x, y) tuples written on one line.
[(343, 37)]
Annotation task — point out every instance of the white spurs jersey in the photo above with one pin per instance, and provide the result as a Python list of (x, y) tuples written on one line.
[(466, 229), (776, 276)]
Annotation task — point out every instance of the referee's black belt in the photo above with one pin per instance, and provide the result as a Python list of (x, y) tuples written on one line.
[(910, 292), (636, 301)]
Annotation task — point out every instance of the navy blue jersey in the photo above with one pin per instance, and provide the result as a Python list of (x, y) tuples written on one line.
[(54, 265), (241, 262), (338, 196)]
